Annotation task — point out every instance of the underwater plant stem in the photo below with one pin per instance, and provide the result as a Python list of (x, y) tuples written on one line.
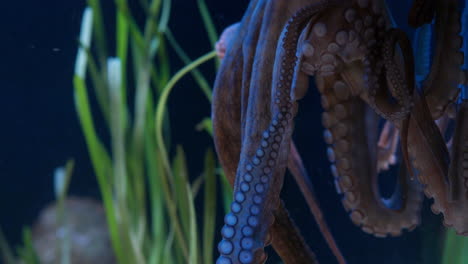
[(165, 14), (122, 41), (204, 86), (119, 155), (209, 216), (144, 4), (100, 87), (162, 148), (209, 26), (142, 70), (154, 166), (62, 178), (99, 32), (193, 245), (100, 160), (117, 130), (141, 101), (163, 101), (208, 22), (164, 65), (85, 62), (6, 253), (452, 248)]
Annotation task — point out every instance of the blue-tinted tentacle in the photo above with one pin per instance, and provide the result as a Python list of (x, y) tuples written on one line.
[(264, 155)]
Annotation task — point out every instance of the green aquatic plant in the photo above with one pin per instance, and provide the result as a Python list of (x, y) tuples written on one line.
[(148, 198), (27, 253), (455, 248)]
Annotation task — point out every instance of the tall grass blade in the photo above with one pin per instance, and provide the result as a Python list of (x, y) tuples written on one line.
[(208, 22), (453, 248), (166, 257), (27, 253), (85, 42), (209, 217), (199, 78), (180, 183), (163, 101), (226, 191), (117, 129), (164, 64), (5, 251), (197, 184), (139, 179), (99, 30), (99, 157), (122, 40), (165, 14), (162, 147), (62, 178), (156, 198), (193, 238), (206, 125), (209, 26)]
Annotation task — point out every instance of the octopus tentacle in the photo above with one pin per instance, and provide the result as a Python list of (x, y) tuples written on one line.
[(260, 173), (402, 92), (227, 100), (295, 165), (338, 53), (228, 104), (284, 240), (297, 169), (422, 12), (428, 158), (400, 87), (377, 85), (441, 86), (458, 172), (351, 130)]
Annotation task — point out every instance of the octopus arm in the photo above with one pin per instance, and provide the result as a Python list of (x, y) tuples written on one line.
[(240, 113), (441, 86)]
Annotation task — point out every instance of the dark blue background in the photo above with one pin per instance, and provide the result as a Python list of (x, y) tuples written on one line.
[(39, 129)]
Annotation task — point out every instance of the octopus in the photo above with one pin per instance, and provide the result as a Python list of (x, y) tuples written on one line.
[(363, 69)]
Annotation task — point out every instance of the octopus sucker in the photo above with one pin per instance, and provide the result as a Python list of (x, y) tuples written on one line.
[(320, 29)]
